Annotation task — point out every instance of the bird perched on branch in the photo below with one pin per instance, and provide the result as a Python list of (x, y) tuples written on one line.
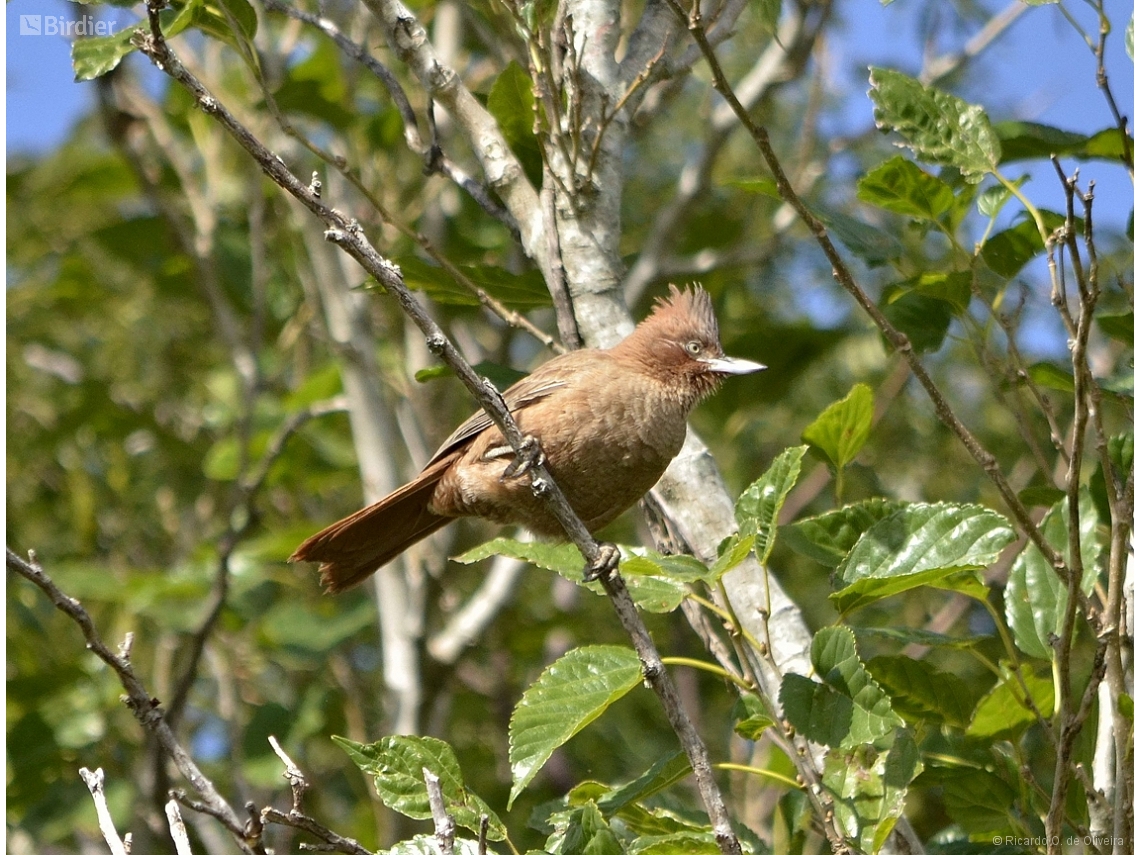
[(608, 423)]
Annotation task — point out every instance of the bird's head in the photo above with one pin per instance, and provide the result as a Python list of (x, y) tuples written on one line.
[(680, 343)]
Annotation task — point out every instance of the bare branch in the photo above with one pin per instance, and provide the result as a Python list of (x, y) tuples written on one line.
[(145, 708), (94, 782), (444, 823)]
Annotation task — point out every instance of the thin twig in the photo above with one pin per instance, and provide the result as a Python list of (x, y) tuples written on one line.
[(441, 819), (145, 708), (296, 819)]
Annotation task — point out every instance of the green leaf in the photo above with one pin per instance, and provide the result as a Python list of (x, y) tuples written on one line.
[(526, 291), (924, 320), (654, 587), (938, 127), (979, 801), (678, 843), (869, 785), (759, 506), (1035, 597), (828, 537), (567, 696), (1030, 140), (1004, 711), (768, 16), (952, 287), (563, 558), (661, 775), (94, 56), (584, 831), (848, 708), (918, 545), (503, 376), (1041, 496), (1051, 376), (918, 690), (1120, 453), (762, 185), (874, 246), (899, 186), (397, 763), (511, 102), (1008, 251), (841, 430), (905, 635), (1120, 327), (993, 199)]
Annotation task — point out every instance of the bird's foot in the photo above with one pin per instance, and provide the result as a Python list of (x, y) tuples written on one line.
[(609, 556), (528, 457)]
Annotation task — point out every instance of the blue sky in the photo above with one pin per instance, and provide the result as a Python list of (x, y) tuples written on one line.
[(1040, 71)]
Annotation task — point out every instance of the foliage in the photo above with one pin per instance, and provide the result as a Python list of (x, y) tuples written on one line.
[(183, 352)]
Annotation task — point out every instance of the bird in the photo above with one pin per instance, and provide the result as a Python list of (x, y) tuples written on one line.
[(607, 424)]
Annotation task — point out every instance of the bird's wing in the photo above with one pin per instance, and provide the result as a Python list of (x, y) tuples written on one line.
[(533, 387)]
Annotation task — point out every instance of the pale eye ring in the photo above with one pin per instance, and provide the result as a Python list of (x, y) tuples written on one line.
[(693, 348)]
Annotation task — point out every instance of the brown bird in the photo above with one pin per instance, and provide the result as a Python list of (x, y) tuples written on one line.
[(608, 423)]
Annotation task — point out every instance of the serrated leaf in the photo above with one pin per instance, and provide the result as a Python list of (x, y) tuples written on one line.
[(869, 785), (656, 593), (841, 430), (1004, 711), (562, 558), (759, 506), (567, 696), (848, 707), (396, 764), (918, 545), (732, 551), (828, 538), (938, 127), (899, 186), (919, 537), (918, 690), (1035, 597)]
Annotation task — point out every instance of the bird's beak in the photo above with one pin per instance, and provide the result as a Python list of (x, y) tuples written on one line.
[(731, 365)]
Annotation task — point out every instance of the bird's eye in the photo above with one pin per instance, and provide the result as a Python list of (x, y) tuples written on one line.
[(693, 348)]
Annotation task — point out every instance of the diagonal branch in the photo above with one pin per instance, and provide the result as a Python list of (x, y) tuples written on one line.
[(145, 708), (348, 235)]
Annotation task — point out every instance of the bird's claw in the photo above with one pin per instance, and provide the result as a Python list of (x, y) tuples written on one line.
[(528, 457), (607, 560)]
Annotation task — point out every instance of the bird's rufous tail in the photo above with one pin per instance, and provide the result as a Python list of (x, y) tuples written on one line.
[(355, 547)]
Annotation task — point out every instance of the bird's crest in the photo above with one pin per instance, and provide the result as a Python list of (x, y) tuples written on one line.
[(691, 307)]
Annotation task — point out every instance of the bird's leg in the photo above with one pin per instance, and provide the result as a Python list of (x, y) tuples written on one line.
[(606, 562), (528, 457)]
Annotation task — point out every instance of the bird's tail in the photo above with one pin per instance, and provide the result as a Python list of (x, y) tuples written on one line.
[(357, 546)]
